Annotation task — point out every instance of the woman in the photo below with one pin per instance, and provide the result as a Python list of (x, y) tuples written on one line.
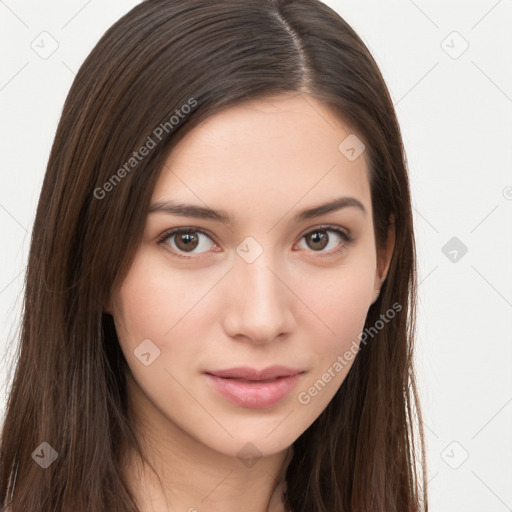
[(220, 294)]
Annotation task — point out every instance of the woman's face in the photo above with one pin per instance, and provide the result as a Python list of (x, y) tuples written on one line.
[(269, 287)]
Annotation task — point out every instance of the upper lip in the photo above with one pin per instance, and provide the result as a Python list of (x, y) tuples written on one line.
[(248, 373)]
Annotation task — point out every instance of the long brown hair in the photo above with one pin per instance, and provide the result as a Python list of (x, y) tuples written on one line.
[(365, 452)]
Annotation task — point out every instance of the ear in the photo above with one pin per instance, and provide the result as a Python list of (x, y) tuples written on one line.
[(384, 259)]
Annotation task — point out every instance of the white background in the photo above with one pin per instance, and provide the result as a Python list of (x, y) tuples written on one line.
[(454, 110)]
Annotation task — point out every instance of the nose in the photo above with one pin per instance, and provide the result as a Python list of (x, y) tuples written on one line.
[(258, 302)]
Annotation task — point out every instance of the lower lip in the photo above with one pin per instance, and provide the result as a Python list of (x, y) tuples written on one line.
[(256, 395)]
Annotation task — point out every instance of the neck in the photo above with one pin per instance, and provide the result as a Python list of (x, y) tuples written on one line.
[(179, 473)]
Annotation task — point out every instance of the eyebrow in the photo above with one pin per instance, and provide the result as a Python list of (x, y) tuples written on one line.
[(202, 212)]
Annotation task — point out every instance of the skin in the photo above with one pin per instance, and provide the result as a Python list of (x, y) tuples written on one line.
[(297, 304)]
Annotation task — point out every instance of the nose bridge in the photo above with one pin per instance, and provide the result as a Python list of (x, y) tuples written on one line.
[(258, 302)]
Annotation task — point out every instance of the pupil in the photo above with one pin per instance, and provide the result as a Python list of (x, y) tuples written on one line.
[(187, 241), (318, 238)]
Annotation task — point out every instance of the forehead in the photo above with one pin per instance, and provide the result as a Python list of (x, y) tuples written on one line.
[(267, 154)]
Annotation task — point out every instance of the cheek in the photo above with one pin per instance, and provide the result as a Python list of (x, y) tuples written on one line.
[(163, 305), (138, 313), (341, 303), (146, 305), (352, 298)]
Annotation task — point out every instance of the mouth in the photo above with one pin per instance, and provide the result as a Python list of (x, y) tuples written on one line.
[(255, 389), (249, 380), (245, 373)]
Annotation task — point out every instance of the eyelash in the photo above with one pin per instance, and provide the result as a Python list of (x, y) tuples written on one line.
[(347, 239)]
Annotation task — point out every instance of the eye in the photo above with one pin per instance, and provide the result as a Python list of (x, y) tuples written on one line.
[(318, 239), (185, 240)]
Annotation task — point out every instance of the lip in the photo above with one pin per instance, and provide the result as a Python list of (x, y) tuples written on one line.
[(253, 374), (251, 388)]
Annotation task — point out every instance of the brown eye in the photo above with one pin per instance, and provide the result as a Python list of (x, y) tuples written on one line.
[(186, 241), (319, 239)]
